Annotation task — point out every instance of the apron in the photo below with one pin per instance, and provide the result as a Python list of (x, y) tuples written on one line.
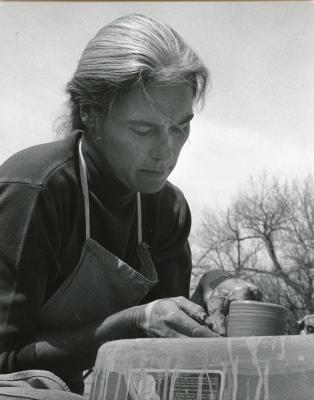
[(100, 285)]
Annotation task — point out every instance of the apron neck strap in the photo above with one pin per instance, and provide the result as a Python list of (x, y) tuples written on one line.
[(139, 218), (84, 184)]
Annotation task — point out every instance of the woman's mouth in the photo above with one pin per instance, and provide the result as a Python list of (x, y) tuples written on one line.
[(153, 173)]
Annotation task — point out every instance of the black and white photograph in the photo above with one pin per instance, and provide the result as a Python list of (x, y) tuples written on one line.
[(157, 200)]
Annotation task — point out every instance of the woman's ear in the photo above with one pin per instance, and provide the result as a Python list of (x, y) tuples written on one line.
[(88, 116)]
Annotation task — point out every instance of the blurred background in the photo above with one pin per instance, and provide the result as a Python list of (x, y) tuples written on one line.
[(258, 121)]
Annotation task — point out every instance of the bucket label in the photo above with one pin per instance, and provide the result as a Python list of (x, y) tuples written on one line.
[(182, 384)]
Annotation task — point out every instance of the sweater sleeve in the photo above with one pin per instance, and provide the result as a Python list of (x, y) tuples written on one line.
[(29, 242)]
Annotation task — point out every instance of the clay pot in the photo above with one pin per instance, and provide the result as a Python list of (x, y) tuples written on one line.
[(253, 318)]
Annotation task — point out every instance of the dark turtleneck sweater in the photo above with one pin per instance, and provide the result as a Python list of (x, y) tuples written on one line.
[(42, 231)]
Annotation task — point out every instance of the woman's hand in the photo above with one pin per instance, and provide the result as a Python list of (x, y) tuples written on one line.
[(175, 317), (216, 300)]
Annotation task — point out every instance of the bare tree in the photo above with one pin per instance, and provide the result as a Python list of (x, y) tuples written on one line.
[(267, 236)]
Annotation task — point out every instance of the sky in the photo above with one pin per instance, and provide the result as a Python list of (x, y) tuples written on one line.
[(259, 113)]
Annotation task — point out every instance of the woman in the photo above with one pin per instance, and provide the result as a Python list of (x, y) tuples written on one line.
[(93, 240)]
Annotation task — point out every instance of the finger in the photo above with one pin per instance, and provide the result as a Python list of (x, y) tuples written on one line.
[(166, 332), (167, 319), (172, 333), (217, 301), (217, 306), (158, 321), (185, 325), (195, 311), (217, 324)]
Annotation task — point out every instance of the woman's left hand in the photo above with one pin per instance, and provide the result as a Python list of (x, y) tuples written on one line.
[(216, 301)]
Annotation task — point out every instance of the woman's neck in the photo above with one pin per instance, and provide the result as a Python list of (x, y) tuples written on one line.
[(101, 178)]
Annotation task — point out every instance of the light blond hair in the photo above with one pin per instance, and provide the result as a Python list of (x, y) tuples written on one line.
[(129, 51)]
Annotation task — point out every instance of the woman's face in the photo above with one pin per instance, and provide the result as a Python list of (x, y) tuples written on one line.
[(142, 138)]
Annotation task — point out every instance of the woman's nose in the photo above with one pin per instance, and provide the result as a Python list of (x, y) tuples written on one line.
[(162, 148)]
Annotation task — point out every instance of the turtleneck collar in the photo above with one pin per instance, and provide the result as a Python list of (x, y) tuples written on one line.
[(102, 180)]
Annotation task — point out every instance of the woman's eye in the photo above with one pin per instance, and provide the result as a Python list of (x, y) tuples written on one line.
[(141, 131), (180, 130)]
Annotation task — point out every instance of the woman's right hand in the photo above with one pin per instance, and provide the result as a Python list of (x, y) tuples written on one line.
[(174, 317)]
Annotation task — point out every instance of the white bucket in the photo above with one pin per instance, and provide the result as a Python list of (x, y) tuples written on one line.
[(236, 368)]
